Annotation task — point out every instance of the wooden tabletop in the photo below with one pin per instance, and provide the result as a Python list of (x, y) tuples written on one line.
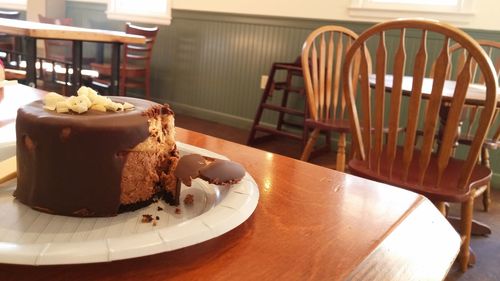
[(311, 223), (63, 32), (11, 100), (475, 93)]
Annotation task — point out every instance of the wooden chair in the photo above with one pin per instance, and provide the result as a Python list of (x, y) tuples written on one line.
[(470, 113), (135, 70), (54, 66), (11, 45), (8, 42), (426, 169), (322, 57), (57, 50)]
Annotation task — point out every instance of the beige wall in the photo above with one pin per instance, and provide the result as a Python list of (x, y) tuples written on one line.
[(485, 12)]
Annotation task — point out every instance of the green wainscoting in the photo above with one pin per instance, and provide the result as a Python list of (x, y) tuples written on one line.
[(209, 65)]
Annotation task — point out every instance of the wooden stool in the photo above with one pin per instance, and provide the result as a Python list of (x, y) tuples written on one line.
[(285, 87)]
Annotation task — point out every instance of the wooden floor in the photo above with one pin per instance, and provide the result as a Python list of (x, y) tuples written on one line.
[(487, 249)]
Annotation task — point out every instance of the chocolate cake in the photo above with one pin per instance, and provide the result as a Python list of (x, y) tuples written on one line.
[(95, 163)]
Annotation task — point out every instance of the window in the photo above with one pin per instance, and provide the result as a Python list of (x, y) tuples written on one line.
[(444, 10), (13, 4), (146, 11)]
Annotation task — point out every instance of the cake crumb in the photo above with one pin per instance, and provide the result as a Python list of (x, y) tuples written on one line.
[(177, 210), (157, 218), (147, 218), (159, 208), (189, 199), (154, 223)]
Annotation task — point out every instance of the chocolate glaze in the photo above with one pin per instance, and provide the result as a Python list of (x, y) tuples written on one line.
[(188, 168), (222, 172), (71, 164), (216, 171)]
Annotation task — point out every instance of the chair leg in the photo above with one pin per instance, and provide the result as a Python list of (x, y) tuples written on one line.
[(340, 165), (485, 160), (122, 85), (466, 227), (310, 145), (441, 206), (148, 90), (147, 85)]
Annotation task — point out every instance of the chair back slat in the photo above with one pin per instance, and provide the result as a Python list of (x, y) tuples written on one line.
[(496, 132), (366, 108), (497, 66), (140, 54), (480, 80), (426, 108), (460, 62), (379, 102), (432, 113), (414, 103), (339, 71), (331, 102), (322, 62), (474, 72), (316, 100), (454, 113), (469, 118), (308, 83), (395, 103), (355, 71), (339, 54)]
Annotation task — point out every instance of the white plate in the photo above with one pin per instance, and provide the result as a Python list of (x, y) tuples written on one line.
[(35, 238)]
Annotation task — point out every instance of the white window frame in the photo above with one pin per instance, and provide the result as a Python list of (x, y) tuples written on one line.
[(372, 10), (160, 18), (14, 4), (90, 1)]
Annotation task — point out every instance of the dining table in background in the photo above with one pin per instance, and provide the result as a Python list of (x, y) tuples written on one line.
[(311, 223), (32, 31), (475, 92)]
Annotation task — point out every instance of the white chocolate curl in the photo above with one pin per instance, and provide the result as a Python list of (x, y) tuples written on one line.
[(86, 99)]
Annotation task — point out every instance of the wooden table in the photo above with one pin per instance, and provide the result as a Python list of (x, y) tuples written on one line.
[(311, 223), (475, 93), (32, 31)]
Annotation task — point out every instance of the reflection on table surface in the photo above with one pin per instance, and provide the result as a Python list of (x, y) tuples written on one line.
[(310, 223)]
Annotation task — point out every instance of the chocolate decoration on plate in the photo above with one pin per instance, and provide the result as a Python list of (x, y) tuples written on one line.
[(222, 172), (215, 171), (188, 168)]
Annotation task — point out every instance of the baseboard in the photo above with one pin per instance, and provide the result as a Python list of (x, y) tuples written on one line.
[(495, 181), (212, 115)]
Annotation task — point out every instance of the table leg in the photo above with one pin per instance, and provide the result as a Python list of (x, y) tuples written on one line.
[(76, 78), (443, 115), (31, 61), (115, 69)]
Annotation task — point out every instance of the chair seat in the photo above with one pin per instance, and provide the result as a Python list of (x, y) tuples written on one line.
[(447, 192), (338, 125), (129, 83), (104, 69)]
